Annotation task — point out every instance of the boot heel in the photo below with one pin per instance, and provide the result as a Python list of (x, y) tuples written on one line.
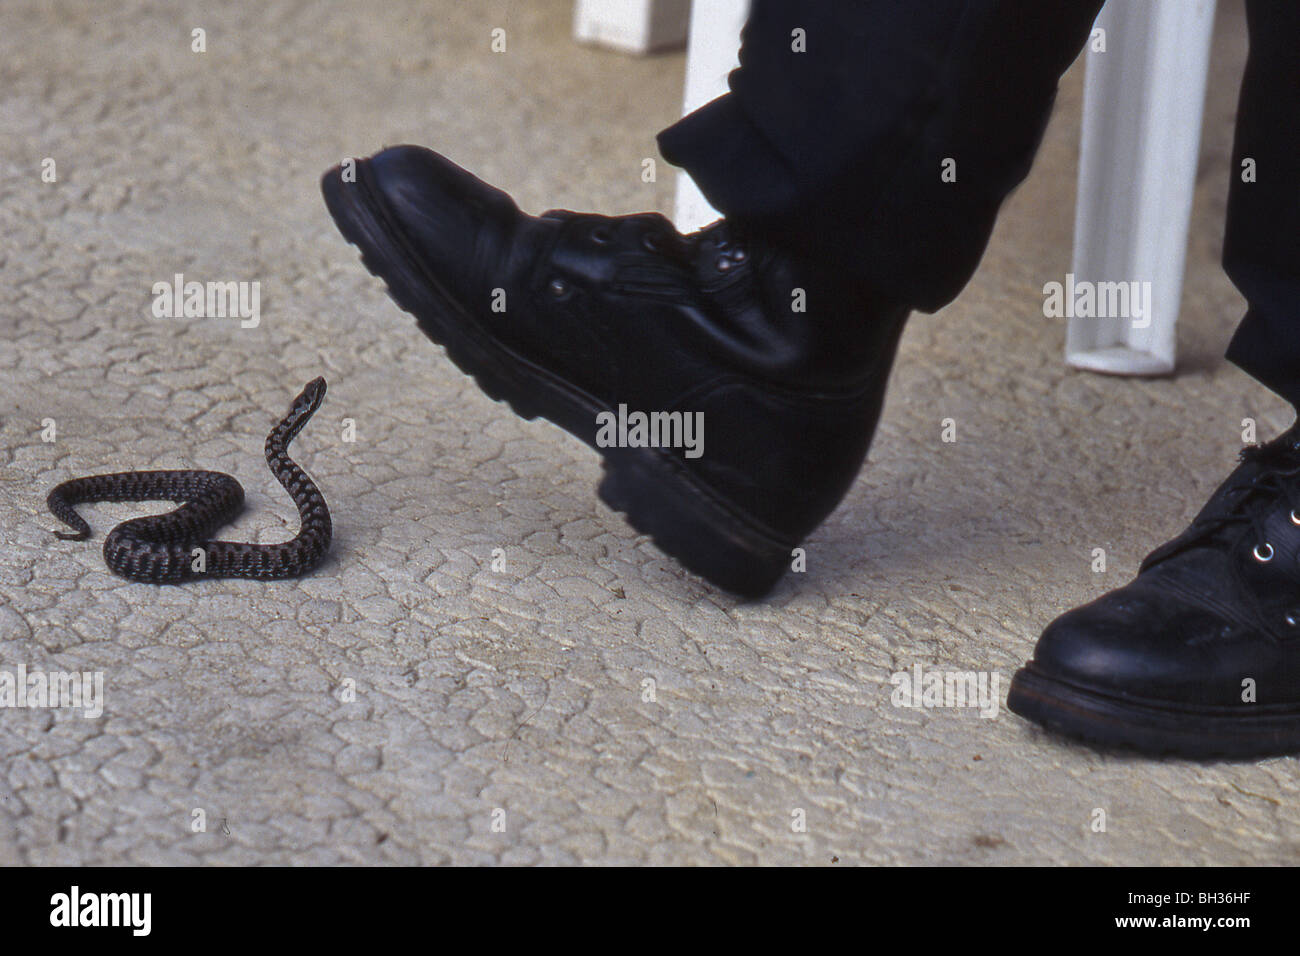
[(684, 522)]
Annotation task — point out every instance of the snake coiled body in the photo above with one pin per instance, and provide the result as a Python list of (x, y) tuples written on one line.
[(175, 547)]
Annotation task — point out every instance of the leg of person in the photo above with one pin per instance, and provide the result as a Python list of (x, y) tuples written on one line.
[(771, 333), (1198, 655), (883, 135)]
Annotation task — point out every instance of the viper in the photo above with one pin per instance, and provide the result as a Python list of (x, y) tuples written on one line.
[(175, 547)]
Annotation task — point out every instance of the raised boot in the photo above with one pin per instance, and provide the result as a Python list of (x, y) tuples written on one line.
[(588, 320)]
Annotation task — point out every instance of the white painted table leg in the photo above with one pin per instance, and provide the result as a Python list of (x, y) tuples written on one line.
[(712, 51), (1142, 109), (632, 26)]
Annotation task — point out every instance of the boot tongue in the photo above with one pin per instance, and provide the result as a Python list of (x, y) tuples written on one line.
[(718, 231), (1282, 452)]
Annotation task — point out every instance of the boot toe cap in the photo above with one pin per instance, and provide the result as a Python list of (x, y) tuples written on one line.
[(443, 211), (1143, 644)]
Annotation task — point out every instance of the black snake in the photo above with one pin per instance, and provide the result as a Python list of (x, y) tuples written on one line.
[(173, 547)]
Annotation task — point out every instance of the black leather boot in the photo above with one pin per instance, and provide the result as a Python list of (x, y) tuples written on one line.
[(587, 320), (1200, 654)]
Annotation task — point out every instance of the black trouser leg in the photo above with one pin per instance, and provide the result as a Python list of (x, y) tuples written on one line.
[(1261, 251), (840, 149)]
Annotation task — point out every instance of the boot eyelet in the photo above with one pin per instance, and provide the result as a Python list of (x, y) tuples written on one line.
[(1263, 553), (1295, 518), (1291, 620), (600, 235), (723, 264), (558, 288), (651, 242), (738, 255)]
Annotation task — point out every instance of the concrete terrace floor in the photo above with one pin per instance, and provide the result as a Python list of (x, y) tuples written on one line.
[(521, 690)]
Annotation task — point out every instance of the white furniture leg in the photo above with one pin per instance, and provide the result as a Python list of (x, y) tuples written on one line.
[(712, 51), (632, 26), (1142, 108)]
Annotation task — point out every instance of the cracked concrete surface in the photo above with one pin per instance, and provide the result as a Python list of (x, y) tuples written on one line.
[(518, 696)]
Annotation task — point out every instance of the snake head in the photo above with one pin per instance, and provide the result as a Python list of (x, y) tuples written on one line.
[(309, 399), (300, 410)]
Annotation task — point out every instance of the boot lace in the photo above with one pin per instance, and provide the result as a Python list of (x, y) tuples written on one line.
[(1247, 501)]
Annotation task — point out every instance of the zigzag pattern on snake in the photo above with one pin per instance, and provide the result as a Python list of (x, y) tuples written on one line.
[(161, 549)]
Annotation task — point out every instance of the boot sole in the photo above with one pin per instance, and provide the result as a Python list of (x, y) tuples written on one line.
[(1149, 727), (655, 492)]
